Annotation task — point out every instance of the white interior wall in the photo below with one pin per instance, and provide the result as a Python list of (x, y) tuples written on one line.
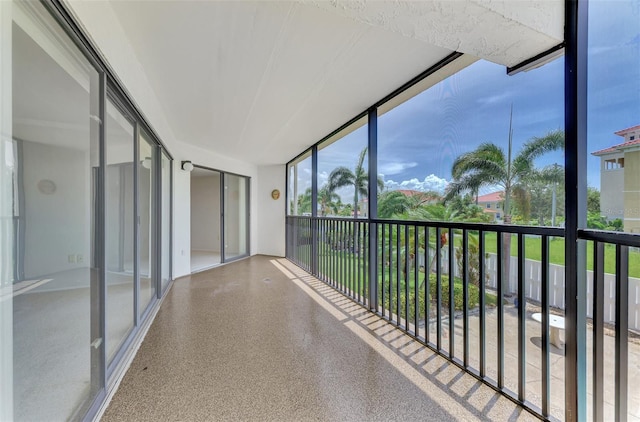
[(56, 225), (205, 212), (271, 221), (181, 221)]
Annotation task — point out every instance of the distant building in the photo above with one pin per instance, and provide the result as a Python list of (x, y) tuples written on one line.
[(422, 197), (492, 203), (620, 179)]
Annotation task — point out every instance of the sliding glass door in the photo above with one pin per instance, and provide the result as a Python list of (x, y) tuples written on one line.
[(236, 216), (51, 345), (147, 162), (119, 220)]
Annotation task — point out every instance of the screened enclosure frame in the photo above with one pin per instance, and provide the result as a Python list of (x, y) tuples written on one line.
[(575, 231)]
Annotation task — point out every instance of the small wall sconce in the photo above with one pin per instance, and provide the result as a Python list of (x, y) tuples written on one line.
[(187, 166)]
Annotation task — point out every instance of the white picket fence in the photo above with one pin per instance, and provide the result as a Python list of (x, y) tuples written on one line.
[(533, 286)]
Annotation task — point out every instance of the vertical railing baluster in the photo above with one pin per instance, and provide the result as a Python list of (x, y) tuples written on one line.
[(452, 299), (501, 281), (354, 258), (390, 272), (598, 331), (383, 263), (438, 290), (352, 261), (359, 263), (325, 258), (398, 266), (366, 280), (546, 362), (522, 361), (407, 257), (465, 295), (622, 331), (340, 277), (427, 286), (345, 261), (416, 280)]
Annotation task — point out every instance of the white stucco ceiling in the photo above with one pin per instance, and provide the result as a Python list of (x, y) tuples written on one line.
[(261, 81)]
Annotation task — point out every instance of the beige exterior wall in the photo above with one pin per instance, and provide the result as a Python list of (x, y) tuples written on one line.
[(611, 189), (632, 191), (496, 207)]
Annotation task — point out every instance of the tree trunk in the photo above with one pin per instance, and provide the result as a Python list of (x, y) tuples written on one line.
[(355, 204), (505, 260)]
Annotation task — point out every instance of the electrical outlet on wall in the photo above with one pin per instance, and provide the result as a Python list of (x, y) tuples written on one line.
[(79, 258), (72, 258)]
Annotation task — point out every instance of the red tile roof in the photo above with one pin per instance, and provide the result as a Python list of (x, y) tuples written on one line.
[(618, 147), (627, 130), (423, 195), (491, 197)]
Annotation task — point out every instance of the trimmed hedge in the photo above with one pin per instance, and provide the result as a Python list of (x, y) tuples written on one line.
[(473, 296), (473, 293)]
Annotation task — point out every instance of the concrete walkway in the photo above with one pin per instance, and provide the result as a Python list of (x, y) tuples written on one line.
[(260, 339)]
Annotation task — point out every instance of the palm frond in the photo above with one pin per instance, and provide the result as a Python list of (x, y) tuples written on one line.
[(340, 177), (537, 146)]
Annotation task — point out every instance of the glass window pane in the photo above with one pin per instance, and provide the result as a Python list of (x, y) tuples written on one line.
[(614, 116), (343, 173), (476, 110), (50, 167), (119, 231), (206, 218), (235, 215), (300, 186), (613, 176), (146, 215)]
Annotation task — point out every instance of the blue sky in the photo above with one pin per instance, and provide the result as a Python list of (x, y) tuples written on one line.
[(419, 139)]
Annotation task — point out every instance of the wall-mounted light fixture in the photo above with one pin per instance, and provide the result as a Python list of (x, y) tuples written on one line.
[(187, 166)]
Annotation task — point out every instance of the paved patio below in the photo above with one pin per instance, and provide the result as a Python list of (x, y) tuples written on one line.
[(261, 339)]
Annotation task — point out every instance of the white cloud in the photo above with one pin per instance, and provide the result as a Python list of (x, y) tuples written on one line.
[(493, 99), (395, 168), (430, 183)]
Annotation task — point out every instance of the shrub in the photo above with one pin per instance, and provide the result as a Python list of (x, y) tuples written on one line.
[(474, 297), (473, 293), (412, 302)]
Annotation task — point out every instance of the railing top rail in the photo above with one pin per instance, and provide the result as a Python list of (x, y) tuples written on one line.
[(617, 238), (499, 228)]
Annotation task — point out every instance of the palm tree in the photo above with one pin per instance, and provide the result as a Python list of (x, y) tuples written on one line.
[(393, 203), (540, 197), (304, 202), (358, 178), (328, 201), (488, 165)]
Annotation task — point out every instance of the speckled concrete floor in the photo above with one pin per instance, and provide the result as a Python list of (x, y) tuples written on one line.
[(262, 340)]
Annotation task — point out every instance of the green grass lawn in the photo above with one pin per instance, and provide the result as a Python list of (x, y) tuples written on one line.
[(533, 250)]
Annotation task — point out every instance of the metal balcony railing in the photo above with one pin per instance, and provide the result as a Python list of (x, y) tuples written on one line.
[(451, 286)]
